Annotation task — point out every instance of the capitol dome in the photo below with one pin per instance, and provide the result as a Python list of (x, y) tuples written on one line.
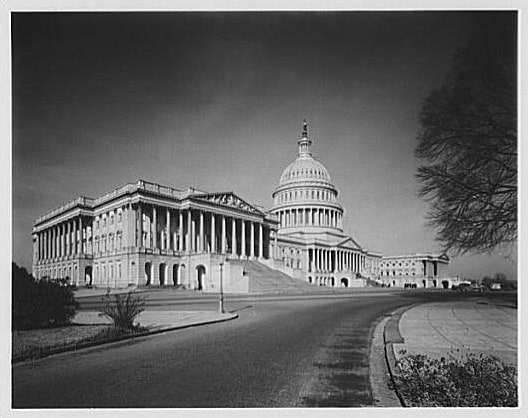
[(305, 197), (305, 169)]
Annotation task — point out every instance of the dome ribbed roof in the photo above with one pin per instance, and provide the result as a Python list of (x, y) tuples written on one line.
[(305, 168)]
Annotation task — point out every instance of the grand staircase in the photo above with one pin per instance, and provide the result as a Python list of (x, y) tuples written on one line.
[(263, 279)]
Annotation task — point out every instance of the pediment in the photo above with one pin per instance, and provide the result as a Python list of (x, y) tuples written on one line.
[(444, 257), (229, 199), (349, 242)]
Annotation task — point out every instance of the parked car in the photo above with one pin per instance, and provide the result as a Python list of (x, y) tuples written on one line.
[(496, 286), (462, 287), (477, 288)]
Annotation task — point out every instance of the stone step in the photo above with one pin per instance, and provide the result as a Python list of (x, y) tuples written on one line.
[(263, 279)]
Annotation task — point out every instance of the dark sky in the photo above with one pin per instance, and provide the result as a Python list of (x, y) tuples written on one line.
[(216, 101)]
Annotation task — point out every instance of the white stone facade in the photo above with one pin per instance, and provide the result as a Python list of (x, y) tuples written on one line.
[(147, 234), (418, 270)]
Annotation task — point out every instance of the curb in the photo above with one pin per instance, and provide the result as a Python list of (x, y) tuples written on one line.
[(391, 336), (92, 344)]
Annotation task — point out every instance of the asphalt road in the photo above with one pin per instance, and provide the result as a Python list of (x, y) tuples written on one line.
[(273, 355)]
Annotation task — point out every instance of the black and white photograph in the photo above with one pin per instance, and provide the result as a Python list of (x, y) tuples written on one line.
[(306, 209)]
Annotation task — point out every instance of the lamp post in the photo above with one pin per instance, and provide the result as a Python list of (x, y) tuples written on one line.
[(221, 302)]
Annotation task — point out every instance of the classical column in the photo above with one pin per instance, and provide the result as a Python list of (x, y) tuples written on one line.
[(79, 243), (62, 239), (39, 242), (188, 231), (56, 242), (180, 233), (131, 226), (202, 239), (276, 244), (223, 245), (188, 241), (52, 247), (68, 238), (243, 248), (213, 236), (168, 222), (261, 241), (154, 228), (193, 235), (53, 234), (233, 237), (175, 236), (140, 225), (59, 241), (252, 239)]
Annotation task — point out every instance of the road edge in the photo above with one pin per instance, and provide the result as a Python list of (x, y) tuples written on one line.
[(386, 334), (97, 344)]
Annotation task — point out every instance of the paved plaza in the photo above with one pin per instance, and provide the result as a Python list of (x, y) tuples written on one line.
[(476, 326)]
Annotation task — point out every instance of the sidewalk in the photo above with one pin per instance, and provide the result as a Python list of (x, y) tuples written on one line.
[(160, 320), (477, 326), (84, 292)]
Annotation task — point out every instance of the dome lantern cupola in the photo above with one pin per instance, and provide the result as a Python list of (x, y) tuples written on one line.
[(304, 143)]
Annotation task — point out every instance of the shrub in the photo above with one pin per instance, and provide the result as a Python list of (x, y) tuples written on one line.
[(40, 304), (470, 380), (123, 309)]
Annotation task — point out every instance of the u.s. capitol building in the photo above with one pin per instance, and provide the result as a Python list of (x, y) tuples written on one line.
[(146, 234)]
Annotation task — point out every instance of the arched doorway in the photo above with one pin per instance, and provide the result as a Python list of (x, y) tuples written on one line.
[(309, 279), (424, 282), (162, 274), (434, 283), (200, 275), (445, 284), (344, 282), (182, 274), (148, 273), (175, 278), (88, 276)]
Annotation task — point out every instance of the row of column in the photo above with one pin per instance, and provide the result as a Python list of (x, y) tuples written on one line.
[(310, 217), (69, 238), (194, 231), (198, 231), (324, 260)]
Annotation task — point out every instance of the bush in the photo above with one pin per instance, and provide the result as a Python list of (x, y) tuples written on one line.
[(40, 304), (124, 309), (471, 380)]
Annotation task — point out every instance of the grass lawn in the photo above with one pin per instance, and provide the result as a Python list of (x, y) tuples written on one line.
[(33, 343)]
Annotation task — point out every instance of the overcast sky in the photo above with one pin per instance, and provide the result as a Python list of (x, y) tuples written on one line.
[(216, 101)]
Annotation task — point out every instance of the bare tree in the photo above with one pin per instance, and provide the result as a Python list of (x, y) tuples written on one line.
[(468, 138)]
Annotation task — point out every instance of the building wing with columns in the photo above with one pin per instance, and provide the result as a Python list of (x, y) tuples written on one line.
[(147, 234)]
